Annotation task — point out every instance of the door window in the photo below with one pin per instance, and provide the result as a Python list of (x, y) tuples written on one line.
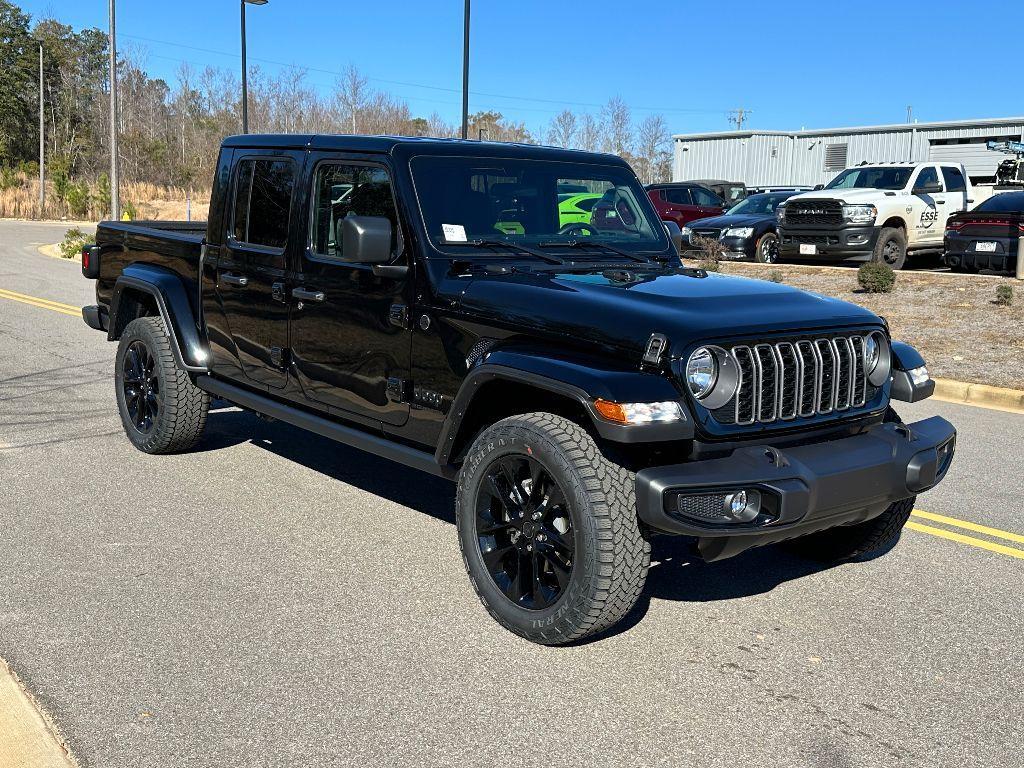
[(954, 179), (704, 197), (678, 196), (263, 199), (927, 176), (349, 190)]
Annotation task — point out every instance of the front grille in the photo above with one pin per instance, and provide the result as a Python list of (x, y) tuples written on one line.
[(710, 233), (816, 239), (815, 213), (798, 378)]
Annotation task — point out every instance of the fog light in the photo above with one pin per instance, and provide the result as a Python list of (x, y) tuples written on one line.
[(743, 507), (918, 375)]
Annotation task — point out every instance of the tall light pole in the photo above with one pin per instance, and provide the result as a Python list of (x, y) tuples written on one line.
[(245, 78), (115, 203), (465, 73), (42, 141)]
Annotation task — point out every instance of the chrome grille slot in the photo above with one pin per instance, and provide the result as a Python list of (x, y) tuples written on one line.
[(797, 378)]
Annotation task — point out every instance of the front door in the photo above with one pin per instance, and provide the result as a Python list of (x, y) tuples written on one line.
[(680, 206), (930, 208), (252, 264), (349, 336)]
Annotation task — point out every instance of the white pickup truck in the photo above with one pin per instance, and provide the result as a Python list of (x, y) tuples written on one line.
[(877, 212)]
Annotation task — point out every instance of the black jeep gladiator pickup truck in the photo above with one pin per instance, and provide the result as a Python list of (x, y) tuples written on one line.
[(431, 302)]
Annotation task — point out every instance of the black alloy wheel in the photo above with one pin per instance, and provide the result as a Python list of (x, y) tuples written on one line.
[(768, 249), (141, 387), (891, 252), (524, 531)]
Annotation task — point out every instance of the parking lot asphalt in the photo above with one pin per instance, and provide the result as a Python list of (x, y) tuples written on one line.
[(275, 599)]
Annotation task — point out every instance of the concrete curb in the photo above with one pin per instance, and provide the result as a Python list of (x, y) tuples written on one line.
[(27, 739), (981, 395), (53, 251)]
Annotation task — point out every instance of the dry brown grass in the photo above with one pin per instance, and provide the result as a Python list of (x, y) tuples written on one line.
[(151, 201), (952, 320)]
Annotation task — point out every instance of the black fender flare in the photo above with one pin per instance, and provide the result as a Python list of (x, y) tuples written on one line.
[(171, 298), (575, 380)]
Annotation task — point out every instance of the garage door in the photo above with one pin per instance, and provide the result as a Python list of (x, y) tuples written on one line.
[(976, 157)]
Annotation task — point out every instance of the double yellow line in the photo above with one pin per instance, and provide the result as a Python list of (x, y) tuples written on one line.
[(960, 538), (943, 533), (54, 306)]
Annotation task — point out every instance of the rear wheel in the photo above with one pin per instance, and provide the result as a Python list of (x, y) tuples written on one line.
[(861, 541), (891, 247), (548, 530), (162, 411)]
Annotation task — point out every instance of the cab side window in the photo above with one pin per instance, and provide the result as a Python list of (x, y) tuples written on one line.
[(678, 196), (926, 176), (263, 201), (954, 179), (703, 197), (349, 190)]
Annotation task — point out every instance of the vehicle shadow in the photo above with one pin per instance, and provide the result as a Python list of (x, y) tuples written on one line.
[(677, 573)]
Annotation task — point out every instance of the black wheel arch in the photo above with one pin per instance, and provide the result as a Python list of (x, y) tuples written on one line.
[(146, 289), (510, 382)]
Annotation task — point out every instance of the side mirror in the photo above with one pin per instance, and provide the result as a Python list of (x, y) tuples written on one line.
[(366, 239), (818, 186), (931, 188), (675, 234)]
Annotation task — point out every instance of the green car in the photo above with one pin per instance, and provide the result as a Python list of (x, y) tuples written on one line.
[(576, 208)]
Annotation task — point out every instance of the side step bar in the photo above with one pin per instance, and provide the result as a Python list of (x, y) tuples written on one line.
[(357, 438)]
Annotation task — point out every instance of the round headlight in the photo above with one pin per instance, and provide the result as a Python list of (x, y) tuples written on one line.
[(876, 358), (701, 372)]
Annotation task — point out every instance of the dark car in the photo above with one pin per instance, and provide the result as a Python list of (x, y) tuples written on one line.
[(683, 202), (730, 191), (988, 236), (584, 389), (748, 230)]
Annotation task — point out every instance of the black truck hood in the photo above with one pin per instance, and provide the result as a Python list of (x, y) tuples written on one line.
[(602, 308)]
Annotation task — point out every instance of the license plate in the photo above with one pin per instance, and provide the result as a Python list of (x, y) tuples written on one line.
[(985, 247), (808, 249)]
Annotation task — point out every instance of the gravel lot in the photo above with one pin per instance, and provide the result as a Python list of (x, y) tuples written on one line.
[(951, 318)]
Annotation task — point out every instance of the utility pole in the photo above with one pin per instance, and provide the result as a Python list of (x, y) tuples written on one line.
[(245, 77), (115, 202), (465, 73), (738, 117), (910, 114), (42, 141)]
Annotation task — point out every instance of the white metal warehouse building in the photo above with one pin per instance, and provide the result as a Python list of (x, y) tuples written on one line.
[(765, 158)]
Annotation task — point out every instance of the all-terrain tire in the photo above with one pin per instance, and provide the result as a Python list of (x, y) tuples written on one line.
[(182, 407), (891, 247), (611, 554), (857, 542)]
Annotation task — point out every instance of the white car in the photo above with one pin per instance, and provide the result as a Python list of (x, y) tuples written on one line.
[(877, 212)]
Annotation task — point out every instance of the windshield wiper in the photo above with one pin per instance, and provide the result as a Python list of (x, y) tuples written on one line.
[(511, 246), (593, 244)]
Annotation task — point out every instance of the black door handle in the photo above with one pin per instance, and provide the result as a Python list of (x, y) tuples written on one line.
[(237, 280), (304, 295)]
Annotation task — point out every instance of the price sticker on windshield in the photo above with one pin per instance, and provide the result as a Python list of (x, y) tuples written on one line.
[(454, 233)]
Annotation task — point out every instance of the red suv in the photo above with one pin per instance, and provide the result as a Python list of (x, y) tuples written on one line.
[(684, 202)]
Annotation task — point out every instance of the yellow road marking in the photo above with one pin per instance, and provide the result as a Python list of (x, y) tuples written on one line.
[(960, 538), (34, 301), (994, 532)]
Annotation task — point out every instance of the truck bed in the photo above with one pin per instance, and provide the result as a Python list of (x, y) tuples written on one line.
[(174, 245)]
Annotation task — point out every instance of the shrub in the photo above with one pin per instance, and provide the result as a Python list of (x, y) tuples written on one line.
[(72, 243), (77, 196), (775, 276), (1004, 295), (709, 265), (9, 178), (128, 211), (876, 277), (102, 197)]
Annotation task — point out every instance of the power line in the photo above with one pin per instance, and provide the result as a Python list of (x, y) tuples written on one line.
[(739, 116)]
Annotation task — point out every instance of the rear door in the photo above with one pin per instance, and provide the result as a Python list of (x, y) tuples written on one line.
[(350, 343), (252, 264), (956, 190), (679, 205)]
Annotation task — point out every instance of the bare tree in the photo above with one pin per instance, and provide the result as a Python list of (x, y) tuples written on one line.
[(563, 128), (352, 94), (618, 134), (653, 153), (590, 132)]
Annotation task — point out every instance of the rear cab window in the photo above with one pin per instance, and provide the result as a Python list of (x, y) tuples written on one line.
[(954, 179), (263, 200)]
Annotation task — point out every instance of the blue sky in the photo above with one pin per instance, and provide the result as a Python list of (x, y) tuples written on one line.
[(794, 64)]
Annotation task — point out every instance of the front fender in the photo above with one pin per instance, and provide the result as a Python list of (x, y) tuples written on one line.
[(905, 359), (171, 299), (578, 379)]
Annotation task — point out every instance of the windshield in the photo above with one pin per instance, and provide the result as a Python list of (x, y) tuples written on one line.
[(871, 178), (759, 205), (531, 202)]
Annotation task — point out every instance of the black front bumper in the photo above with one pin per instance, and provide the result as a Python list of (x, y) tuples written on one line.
[(838, 244), (808, 488)]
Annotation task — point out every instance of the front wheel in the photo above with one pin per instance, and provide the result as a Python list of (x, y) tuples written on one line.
[(891, 247), (861, 541), (767, 249), (548, 530)]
